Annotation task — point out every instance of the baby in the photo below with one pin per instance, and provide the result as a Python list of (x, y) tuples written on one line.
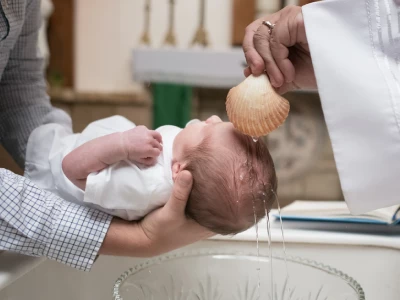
[(129, 171)]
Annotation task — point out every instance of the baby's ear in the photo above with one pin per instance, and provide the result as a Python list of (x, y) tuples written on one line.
[(176, 168)]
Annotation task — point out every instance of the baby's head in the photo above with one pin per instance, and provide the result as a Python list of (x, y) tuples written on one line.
[(234, 180)]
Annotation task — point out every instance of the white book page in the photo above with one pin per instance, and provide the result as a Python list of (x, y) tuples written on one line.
[(334, 209)]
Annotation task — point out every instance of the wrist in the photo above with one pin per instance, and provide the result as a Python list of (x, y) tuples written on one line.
[(123, 148)]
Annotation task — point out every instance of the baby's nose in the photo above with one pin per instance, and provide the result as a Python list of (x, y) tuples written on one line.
[(193, 122)]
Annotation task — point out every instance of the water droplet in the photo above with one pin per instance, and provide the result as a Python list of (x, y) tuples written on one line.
[(283, 237), (241, 177), (258, 252), (269, 248)]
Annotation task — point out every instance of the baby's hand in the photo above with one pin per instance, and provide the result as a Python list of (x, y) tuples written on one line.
[(142, 145)]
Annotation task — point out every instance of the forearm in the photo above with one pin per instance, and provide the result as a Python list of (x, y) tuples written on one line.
[(131, 239), (126, 239), (37, 223), (93, 156)]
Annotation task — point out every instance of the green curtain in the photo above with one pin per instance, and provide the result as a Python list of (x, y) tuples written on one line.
[(172, 104)]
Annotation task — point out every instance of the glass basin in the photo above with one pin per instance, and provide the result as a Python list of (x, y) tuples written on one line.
[(211, 275)]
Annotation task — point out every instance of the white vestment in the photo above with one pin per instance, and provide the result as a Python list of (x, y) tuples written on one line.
[(355, 49)]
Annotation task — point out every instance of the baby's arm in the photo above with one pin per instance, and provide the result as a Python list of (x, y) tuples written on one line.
[(138, 144)]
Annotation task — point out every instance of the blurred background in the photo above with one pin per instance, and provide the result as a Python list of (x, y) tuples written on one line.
[(121, 57)]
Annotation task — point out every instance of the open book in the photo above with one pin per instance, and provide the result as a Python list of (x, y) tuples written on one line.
[(337, 211)]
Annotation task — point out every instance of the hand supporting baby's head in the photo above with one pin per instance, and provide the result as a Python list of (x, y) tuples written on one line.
[(234, 180)]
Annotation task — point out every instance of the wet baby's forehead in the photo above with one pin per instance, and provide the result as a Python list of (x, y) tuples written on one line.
[(228, 142), (224, 133), (225, 139)]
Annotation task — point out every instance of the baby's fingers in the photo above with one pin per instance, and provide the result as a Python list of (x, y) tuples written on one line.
[(156, 144), (148, 161), (156, 135), (153, 152)]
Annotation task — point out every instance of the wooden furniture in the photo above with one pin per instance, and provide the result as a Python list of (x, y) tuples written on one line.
[(8, 163), (244, 12), (61, 44), (304, 2)]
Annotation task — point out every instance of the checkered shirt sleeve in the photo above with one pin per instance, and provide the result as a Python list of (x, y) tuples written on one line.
[(38, 223)]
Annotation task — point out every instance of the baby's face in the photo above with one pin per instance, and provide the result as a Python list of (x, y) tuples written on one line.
[(221, 134)]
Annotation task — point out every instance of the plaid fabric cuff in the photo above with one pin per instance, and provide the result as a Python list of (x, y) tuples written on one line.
[(78, 235)]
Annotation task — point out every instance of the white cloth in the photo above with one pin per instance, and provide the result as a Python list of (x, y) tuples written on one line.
[(127, 190), (355, 49)]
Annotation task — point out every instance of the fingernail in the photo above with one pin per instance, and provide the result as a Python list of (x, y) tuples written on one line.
[(184, 179), (255, 71)]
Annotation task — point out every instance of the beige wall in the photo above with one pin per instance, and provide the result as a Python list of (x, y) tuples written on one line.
[(106, 32)]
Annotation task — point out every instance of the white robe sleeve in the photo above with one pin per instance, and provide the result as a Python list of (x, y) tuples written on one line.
[(355, 49), (121, 189), (50, 143)]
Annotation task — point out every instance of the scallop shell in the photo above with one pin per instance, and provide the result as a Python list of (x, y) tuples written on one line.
[(255, 108)]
